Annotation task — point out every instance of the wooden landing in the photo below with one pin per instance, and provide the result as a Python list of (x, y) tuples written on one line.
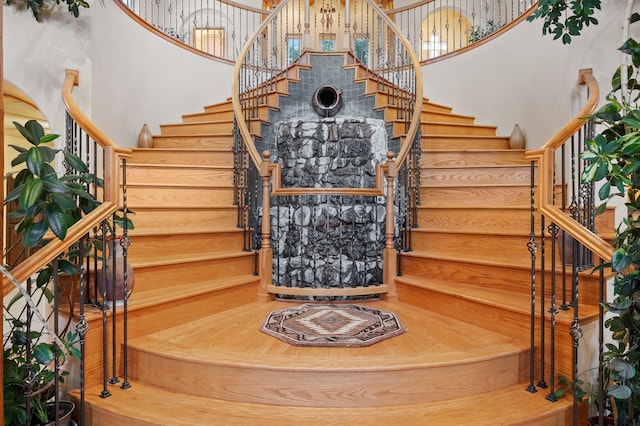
[(441, 371)]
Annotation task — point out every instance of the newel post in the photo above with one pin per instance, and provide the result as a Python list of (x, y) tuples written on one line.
[(390, 257), (265, 255)]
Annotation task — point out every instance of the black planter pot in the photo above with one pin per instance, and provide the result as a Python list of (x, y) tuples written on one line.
[(65, 410)]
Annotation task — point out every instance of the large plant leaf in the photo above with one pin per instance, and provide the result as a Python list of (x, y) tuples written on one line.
[(31, 193), (34, 233), (36, 130), (75, 162), (34, 161), (57, 219), (43, 354)]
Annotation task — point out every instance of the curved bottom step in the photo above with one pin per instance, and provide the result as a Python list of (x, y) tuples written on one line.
[(146, 405)]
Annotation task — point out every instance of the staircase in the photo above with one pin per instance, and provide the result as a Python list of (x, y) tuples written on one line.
[(196, 355)]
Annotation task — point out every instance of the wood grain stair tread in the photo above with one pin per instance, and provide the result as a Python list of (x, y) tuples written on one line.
[(508, 260), (182, 231), (187, 258), (495, 297), (203, 150), (131, 407), (432, 340), (179, 166)]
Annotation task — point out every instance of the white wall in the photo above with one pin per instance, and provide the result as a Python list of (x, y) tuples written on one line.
[(521, 77), (141, 78), (36, 56)]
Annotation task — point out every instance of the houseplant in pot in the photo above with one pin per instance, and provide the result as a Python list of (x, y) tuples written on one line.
[(48, 205)]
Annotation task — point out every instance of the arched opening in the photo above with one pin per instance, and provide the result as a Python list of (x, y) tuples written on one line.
[(444, 31)]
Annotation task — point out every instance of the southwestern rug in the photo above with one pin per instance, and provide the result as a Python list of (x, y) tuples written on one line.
[(334, 325)]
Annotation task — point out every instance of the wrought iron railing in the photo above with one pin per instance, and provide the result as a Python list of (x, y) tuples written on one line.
[(437, 28), (49, 315), (434, 28), (563, 245)]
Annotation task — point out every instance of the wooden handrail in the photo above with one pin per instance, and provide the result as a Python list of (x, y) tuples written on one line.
[(545, 158), (112, 155)]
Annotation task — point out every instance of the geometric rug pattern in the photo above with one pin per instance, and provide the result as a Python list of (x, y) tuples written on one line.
[(334, 325)]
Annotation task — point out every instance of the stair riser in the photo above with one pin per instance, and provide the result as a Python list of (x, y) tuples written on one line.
[(504, 277), (457, 159), (222, 142), (150, 319), (453, 129), (196, 176), (475, 176), (516, 196), (183, 244), (204, 218), (476, 244), (178, 197), (179, 157), (475, 220), (171, 275), (197, 128), (325, 388), (461, 142)]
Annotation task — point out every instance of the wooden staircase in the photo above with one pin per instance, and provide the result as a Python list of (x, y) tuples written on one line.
[(197, 356)]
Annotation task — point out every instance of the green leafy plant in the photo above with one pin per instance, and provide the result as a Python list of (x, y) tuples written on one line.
[(565, 19), (42, 8), (48, 205), (479, 32)]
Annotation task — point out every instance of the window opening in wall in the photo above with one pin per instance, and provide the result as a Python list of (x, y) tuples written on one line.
[(361, 48), (327, 42), (293, 47), (210, 40)]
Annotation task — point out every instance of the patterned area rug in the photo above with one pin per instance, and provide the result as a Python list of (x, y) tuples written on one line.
[(335, 325)]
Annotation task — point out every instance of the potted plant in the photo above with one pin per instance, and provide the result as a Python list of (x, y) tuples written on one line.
[(587, 392), (47, 204)]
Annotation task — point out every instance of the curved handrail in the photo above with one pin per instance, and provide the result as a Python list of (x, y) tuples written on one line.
[(545, 157), (112, 155)]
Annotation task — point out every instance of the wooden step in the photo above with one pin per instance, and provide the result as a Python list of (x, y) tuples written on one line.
[(169, 272), (434, 107), (180, 156), (192, 175), (485, 272), (513, 220), (217, 114), (198, 128), (434, 128), (130, 407), (244, 365), (154, 219), (222, 141), (177, 196), (472, 158), (474, 176), (224, 106), (181, 241), (459, 142), (460, 196)]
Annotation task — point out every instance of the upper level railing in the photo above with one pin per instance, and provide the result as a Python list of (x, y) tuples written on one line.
[(434, 28)]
